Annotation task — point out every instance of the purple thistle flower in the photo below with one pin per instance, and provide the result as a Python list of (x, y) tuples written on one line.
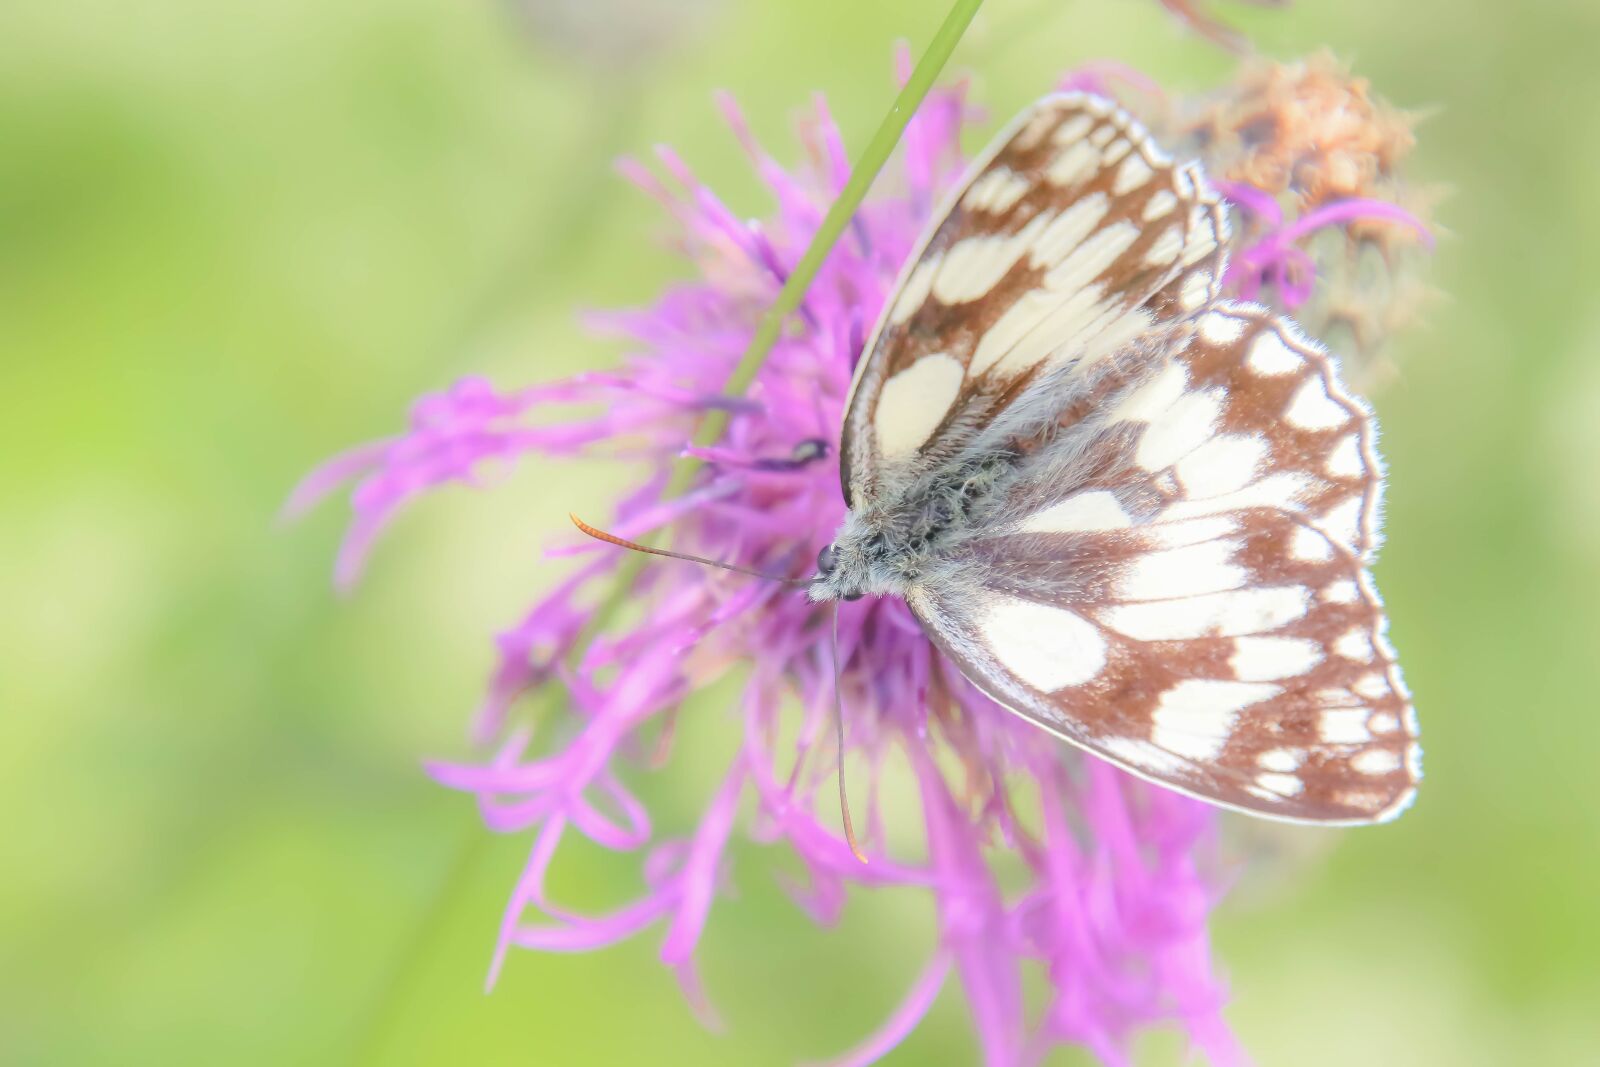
[(1118, 882)]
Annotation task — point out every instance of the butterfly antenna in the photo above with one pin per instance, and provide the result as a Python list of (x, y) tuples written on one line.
[(838, 721), (620, 542)]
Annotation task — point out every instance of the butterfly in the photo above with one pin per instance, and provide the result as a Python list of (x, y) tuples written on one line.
[(1132, 511)]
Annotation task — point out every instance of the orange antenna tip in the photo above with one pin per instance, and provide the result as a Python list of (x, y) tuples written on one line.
[(634, 546)]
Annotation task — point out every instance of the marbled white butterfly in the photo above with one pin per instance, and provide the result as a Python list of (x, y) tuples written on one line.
[(1135, 513)]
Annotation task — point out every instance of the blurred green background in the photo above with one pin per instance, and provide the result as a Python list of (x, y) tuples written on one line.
[(237, 237)]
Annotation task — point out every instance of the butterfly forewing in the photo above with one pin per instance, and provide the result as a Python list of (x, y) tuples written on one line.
[(1189, 598), (1072, 236)]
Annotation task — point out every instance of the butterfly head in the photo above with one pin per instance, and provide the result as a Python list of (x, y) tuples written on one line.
[(829, 583), (858, 562)]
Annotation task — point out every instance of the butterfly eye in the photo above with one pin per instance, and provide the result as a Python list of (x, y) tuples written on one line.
[(852, 596), (827, 559)]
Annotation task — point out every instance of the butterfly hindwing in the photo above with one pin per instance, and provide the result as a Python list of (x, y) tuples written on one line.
[(1246, 411), (1071, 236), (1187, 596)]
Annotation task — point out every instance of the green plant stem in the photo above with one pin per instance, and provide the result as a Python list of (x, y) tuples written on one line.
[(865, 172)]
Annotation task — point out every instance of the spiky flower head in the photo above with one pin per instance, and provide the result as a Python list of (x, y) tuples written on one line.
[(1325, 226), (1038, 859)]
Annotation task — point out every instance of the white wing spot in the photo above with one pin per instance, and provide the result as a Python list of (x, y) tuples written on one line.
[(1344, 726), (1117, 150), (1342, 522), (1073, 129), (1195, 717), (1075, 163), (1221, 465), (1195, 291), (1101, 326), (1133, 173), (1384, 722), (1102, 135), (973, 266), (914, 293), (1310, 546), (1029, 135), (1161, 203), (1096, 510), (1207, 567), (1184, 178), (1165, 248), (1313, 409), (1372, 686), (1148, 401), (1270, 357), (1219, 329), (1048, 648), (1345, 459), (1181, 429), (914, 402), (1112, 336), (1280, 490), (1068, 229), (1282, 760), (1190, 531), (1342, 591), (1204, 228), (1033, 327), (1015, 324), (1375, 761), (1232, 614), (1090, 258), (996, 191), (1284, 785), (1266, 659), (1363, 800), (1354, 644)]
